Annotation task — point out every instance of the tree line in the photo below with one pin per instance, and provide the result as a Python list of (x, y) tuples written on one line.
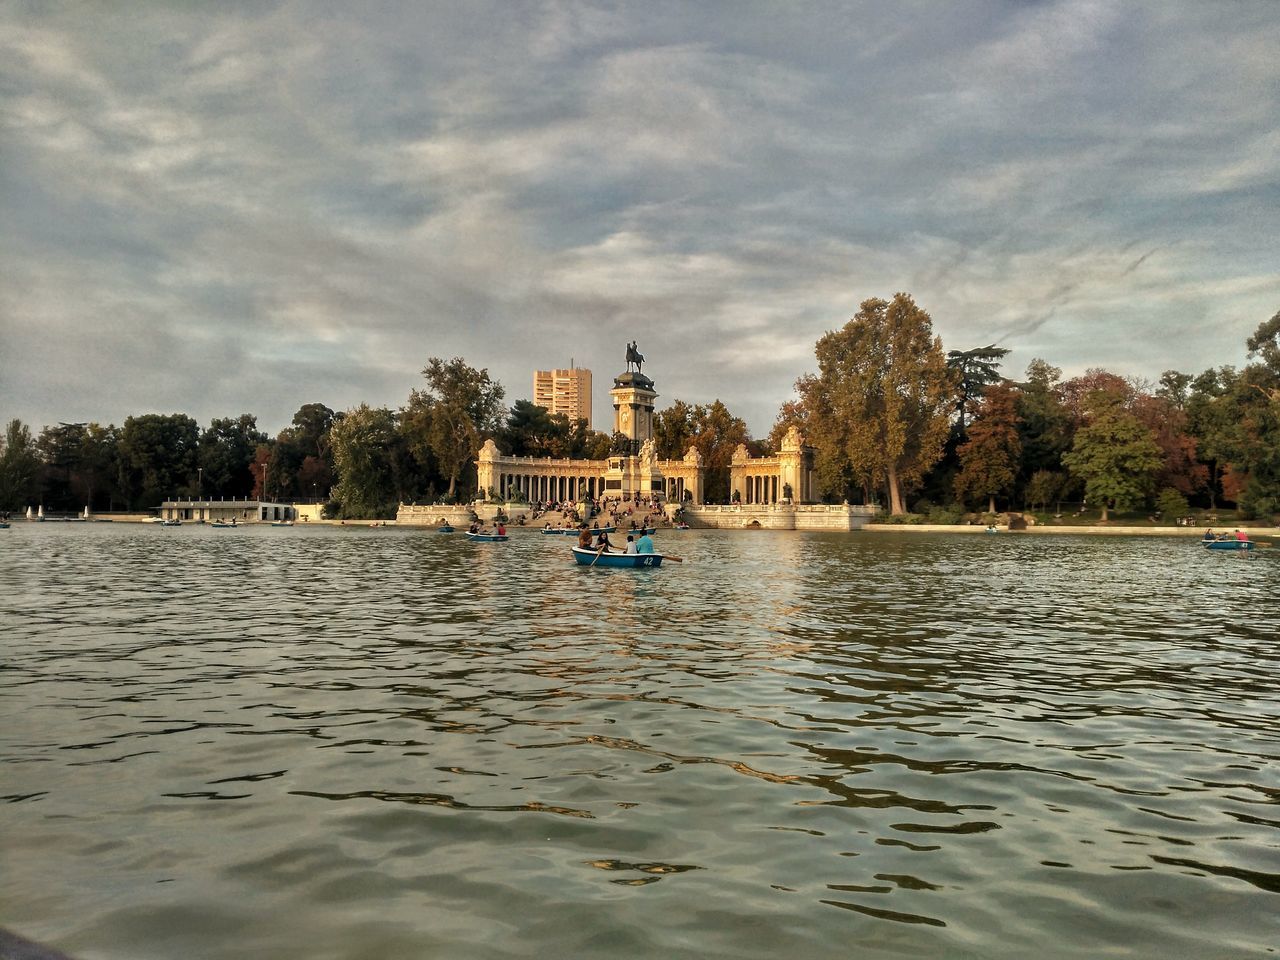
[(894, 418)]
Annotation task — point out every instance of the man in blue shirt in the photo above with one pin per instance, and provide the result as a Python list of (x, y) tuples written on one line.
[(644, 544)]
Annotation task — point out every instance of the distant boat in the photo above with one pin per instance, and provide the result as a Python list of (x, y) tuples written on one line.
[(223, 524), (282, 523), (1229, 544), (560, 531), (175, 522), (681, 526), (4, 524), (486, 537), (640, 531), (591, 558), (444, 529)]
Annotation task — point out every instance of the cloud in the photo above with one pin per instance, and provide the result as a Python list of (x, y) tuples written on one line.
[(248, 209)]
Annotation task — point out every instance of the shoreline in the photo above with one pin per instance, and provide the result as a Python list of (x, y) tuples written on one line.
[(1194, 533)]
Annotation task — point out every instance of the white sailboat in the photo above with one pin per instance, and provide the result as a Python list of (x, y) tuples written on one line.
[(40, 512), (30, 513)]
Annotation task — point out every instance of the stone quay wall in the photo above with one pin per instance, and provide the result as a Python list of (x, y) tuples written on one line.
[(430, 515), (781, 516)]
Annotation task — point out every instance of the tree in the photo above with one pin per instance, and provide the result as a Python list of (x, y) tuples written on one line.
[(466, 406), (974, 370), (1045, 427), (1044, 487), (60, 449), (362, 445), (1113, 453), (158, 457), (716, 432), (879, 408), (19, 467), (989, 459), (673, 430), (227, 447)]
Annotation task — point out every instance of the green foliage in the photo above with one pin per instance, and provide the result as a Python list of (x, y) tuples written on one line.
[(1046, 487), (227, 451), (159, 455), (974, 370), (878, 410), (1171, 503), (362, 442), (1114, 454), (19, 466), (465, 406)]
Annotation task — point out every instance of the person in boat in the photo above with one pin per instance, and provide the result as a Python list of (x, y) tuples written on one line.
[(584, 538), (595, 525), (547, 525), (1210, 535), (1241, 535), (644, 544), (474, 528), (502, 529), (602, 542), (631, 544)]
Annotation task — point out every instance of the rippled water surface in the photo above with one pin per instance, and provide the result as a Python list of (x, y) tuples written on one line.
[(342, 743)]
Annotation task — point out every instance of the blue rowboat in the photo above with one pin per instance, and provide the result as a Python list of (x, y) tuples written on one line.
[(596, 530), (486, 537), (641, 531), (587, 558), (559, 532), (1229, 544), (445, 529)]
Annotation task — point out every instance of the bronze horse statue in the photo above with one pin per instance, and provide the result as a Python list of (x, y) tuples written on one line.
[(634, 356)]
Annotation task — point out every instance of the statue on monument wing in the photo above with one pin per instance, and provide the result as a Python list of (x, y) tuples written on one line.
[(634, 356)]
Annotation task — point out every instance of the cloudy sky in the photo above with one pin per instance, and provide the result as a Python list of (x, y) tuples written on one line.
[(244, 207)]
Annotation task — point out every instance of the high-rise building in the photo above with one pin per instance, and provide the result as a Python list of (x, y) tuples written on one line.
[(564, 391)]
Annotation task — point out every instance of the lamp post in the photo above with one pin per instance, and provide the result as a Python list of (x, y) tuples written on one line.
[(314, 498), (200, 483)]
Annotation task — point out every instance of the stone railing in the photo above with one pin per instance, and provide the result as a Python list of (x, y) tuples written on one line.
[(781, 516), (430, 515)]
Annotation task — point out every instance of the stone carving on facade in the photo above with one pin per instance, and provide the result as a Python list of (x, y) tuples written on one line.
[(793, 440), (649, 456), (694, 456), (489, 451), (741, 452)]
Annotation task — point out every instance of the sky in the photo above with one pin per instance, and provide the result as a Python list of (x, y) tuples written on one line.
[(216, 209)]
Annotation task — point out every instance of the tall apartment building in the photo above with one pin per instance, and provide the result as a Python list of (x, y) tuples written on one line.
[(564, 391)]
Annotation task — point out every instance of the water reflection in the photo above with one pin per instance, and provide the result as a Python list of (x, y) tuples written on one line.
[(963, 745)]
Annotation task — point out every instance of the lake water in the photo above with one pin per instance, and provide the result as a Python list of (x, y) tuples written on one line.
[(382, 743)]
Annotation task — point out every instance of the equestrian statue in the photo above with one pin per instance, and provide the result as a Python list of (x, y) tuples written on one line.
[(634, 356)]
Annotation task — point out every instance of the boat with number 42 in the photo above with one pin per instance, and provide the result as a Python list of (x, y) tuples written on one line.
[(587, 558), (1229, 544)]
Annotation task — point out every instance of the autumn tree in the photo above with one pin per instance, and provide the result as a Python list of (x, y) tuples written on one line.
[(673, 430), (1113, 453), (466, 406), (716, 432), (879, 408), (989, 459)]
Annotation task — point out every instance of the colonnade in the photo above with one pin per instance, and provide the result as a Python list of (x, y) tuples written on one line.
[(550, 487), (761, 488)]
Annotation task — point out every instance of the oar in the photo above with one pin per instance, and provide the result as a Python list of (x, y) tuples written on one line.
[(599, 554), (668, 556)]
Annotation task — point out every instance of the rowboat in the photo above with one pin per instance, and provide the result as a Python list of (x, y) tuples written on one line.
[(596, 530), (282, 523), (587, 558), (171, 523), (223, 525), (1229, 544), (641, 531), (559, 532), (4, 525), (681, 526), (486, 537), (445, 529)]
